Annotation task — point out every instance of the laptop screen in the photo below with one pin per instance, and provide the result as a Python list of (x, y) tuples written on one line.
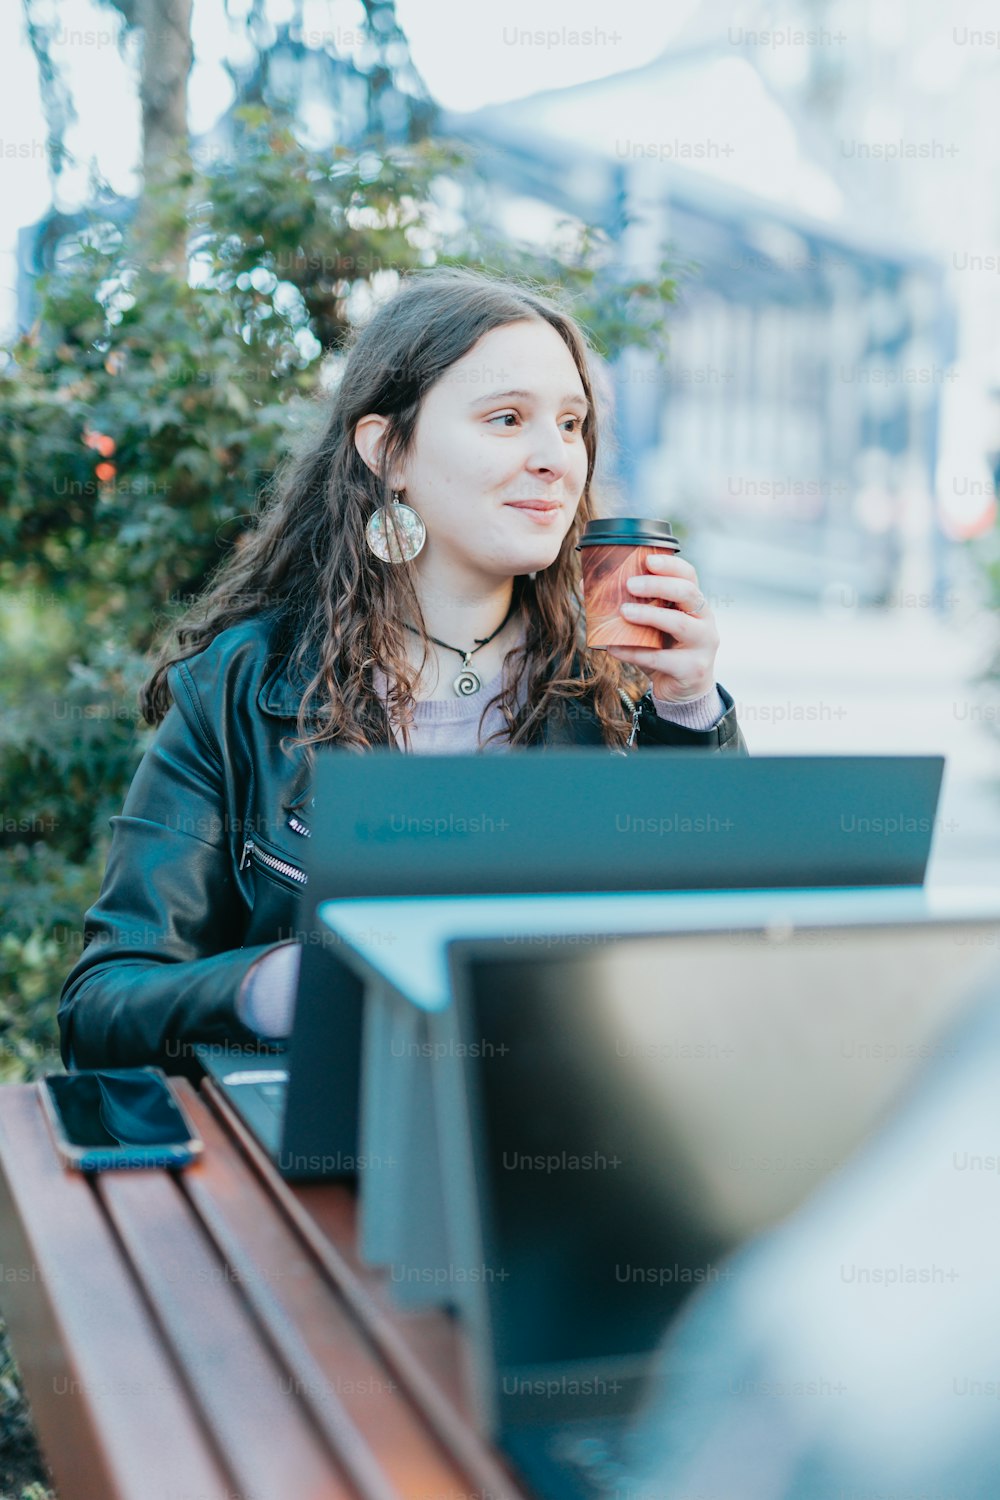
[(638, 1109), (585, 820)]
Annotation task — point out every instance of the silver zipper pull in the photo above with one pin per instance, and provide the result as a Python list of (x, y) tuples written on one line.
[(633, 708), (245, 856)]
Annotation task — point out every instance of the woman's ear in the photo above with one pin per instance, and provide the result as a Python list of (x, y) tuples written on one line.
[(369, 434)]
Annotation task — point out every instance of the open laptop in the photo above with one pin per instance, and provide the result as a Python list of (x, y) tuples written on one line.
[(387, 824), (614, 1123)]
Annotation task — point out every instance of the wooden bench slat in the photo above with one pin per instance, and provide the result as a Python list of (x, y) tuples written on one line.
[(244, 1393), (366, 1414), (423, 1349), (91, 1357)]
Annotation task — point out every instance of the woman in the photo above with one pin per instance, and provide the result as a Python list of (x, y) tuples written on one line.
[(412, 581)]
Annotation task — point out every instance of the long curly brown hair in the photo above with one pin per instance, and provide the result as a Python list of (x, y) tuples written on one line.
[(336, 603)]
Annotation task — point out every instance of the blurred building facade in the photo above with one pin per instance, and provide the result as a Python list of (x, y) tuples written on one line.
[(793, 427)]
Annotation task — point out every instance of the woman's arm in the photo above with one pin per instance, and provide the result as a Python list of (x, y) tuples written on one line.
[(699, 713), (162, 962), (724, 737)]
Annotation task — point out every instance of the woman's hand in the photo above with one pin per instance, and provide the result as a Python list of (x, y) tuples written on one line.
[(684, 669)]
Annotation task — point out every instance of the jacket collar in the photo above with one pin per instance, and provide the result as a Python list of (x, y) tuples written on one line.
[(284, 686), (282, 691)]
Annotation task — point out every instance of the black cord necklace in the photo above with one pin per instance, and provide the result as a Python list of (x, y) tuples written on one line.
[(468, 681)]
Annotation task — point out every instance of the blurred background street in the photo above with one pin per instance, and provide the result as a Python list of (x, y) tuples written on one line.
[(836, 681)]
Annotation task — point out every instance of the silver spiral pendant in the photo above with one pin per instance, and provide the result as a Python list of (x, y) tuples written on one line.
[(467, 683)]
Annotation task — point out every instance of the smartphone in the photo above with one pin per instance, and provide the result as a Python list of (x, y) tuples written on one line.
[(103, 1118)]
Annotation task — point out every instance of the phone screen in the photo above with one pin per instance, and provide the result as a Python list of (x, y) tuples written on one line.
[(120, 1116)]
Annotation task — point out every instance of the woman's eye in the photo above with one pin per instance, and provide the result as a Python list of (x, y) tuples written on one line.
[(574, 423)]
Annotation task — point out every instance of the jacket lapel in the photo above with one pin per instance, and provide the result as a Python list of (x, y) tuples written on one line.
[(284, 689)]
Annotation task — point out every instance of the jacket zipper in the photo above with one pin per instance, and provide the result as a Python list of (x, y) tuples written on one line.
[(272, 862), (633, 709)]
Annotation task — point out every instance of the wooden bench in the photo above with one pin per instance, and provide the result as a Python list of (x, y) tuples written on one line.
[(211, 1334)]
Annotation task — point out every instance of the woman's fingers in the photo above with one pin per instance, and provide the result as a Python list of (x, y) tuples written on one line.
[(689, 628), (670, 565), (680, 591)]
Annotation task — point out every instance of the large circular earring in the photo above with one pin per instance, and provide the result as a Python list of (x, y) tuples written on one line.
[(395, 532)]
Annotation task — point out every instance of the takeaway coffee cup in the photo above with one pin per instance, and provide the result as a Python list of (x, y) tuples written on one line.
[(613, 551)]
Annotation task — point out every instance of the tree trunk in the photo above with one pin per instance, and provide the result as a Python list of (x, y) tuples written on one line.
[(166, 62), (167, 54)]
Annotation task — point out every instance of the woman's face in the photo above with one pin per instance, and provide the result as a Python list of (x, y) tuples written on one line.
[(501, 427)]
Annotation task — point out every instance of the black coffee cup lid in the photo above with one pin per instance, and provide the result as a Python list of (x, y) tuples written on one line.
[(634, 531)]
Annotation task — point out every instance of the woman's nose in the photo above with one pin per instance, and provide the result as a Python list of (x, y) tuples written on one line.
[(549, 453)]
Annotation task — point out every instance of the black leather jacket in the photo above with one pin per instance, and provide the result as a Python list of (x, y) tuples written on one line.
[(186, 906)]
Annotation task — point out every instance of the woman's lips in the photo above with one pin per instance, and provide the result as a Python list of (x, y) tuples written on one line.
[(541, 511)]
